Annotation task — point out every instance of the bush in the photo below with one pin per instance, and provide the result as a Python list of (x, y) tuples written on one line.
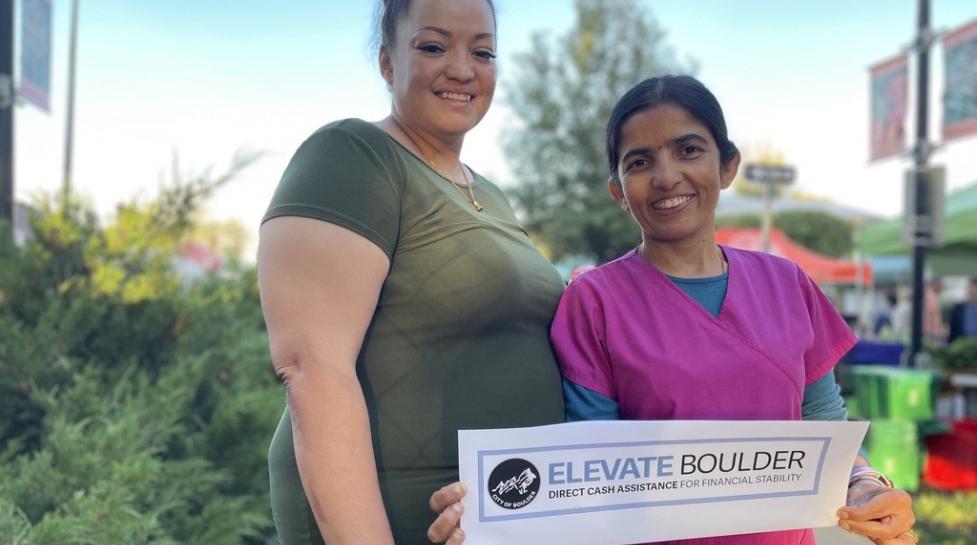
[(946, 519), (132, 409), (960, 354)]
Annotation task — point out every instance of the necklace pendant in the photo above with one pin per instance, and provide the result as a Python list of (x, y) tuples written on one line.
[(478, 207)]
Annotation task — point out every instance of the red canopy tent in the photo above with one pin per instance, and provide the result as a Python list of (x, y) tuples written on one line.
[(821, 268)]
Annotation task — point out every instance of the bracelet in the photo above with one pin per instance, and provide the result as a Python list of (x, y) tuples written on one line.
[(882, 484), (871, 474)]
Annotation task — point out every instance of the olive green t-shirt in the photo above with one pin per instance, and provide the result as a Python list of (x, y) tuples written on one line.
[(459, 338)]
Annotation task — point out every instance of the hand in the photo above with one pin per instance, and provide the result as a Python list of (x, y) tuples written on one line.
[(884, 515), (446, 502)]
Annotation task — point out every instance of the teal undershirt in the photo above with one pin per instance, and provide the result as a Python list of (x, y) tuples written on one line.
[(822, 398)]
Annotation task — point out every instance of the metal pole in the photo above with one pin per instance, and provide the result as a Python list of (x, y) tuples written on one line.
[(7, 101), (767, 214), (920, 156), (69, 124)]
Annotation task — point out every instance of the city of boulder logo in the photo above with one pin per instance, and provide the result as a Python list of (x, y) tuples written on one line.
[(513, 483)]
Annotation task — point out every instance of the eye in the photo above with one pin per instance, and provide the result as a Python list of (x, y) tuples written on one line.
[(484, 54), (431, 48), (689, 150), (635, 163)]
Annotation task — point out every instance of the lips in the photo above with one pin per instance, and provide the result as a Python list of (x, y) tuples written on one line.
[(454, 97), (671, 203)]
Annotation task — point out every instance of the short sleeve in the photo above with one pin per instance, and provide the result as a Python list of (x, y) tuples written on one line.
[(339, 177), (832, 336), (579, 341)]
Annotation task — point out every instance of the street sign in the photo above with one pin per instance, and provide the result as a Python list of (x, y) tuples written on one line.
[(770, 174), (924, 226), (35, 53)]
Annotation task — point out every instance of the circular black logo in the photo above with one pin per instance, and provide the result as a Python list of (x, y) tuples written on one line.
[(513, 483)]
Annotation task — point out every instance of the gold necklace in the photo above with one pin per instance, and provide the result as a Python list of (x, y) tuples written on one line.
[(464, 171)]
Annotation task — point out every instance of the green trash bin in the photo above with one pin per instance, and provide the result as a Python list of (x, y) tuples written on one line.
[(895, 393), (893, 449)]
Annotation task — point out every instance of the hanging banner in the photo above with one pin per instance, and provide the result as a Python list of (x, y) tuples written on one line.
[(889, 102), (35, 53), (960, 82), (620, 482)]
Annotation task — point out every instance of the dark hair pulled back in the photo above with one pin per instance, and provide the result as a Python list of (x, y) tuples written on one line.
[(683, 91), (389, 13)]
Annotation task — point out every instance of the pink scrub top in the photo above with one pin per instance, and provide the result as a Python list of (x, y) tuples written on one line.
[(627, 332)]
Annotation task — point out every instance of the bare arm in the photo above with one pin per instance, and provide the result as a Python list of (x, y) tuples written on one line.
[(319, 288)]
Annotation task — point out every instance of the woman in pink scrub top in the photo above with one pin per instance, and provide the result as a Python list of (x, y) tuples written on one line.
[(682, 328)]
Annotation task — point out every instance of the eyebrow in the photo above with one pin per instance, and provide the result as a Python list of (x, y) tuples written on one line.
[(691, 137), (678, 140), (447, 33)]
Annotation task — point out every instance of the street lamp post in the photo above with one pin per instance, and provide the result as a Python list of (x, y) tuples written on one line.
[(7, 101), (769, 176), (69, 130), (924, 186)]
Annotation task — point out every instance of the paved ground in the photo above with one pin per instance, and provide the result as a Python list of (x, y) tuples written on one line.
[(837, 536)]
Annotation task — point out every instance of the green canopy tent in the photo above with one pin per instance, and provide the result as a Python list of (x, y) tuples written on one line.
[(958, 255)]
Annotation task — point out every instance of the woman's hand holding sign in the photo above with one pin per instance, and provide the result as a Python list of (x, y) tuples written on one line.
[(446, 503), (883, 514), (873, 509)]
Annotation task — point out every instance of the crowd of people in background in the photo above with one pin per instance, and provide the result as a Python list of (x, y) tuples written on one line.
[(945, 319)]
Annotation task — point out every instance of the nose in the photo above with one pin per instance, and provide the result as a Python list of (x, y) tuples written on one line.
[(460, 66), (667, 175)]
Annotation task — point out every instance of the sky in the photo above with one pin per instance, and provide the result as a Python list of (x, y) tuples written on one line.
[(201, 79)]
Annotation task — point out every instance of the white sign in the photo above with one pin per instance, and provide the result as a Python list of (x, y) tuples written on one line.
[(620, 482)]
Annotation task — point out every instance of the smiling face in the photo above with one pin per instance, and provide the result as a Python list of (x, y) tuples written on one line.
[(670, 175), (441, 67)]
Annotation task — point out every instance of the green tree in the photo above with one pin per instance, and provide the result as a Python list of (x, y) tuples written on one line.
[(133, 408), (562, 95), (820, 231)]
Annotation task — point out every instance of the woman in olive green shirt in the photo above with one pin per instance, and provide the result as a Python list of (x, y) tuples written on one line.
[(403, 300)]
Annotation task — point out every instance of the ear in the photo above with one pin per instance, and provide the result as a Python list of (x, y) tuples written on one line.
[(727, 172), (386, 66), (617, 193)]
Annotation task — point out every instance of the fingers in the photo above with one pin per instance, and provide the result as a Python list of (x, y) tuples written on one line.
[(904, 538), (884, 516), (445, 528), (885, 502), (873, 529), (447, 495), (446, 502), (887, 527), (457, 537)]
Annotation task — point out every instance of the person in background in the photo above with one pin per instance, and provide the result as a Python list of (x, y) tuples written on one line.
[(680, 327), (883, 316), (963, 316), (934, 330), (403, 299), (902, 314)]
